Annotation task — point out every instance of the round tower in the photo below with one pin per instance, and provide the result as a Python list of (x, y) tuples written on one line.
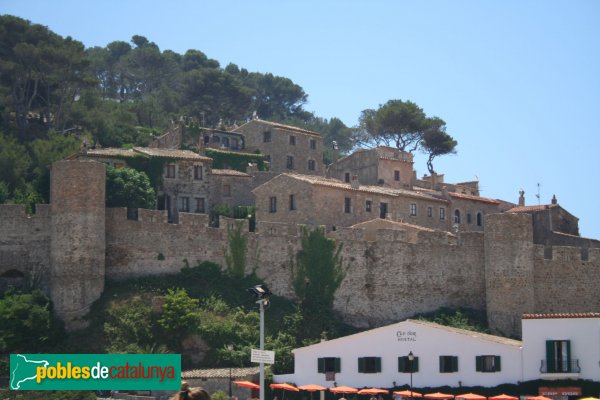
[(77, 237)]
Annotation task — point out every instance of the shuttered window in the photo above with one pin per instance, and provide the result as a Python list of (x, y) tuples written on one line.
[(329, 364), (404, 364), (487, 363), (448, 364), (369, 365)]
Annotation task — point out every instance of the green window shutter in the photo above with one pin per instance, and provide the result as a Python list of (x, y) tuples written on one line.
[(550, 356), (321, 366), (378, 364), (361, 364), (415, 365), (442, 369), (497, 364), (478, 363), (455, 364), (338, 364), (568, 355), (402, 364)]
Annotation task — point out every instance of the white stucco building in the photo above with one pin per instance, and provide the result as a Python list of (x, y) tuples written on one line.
[(561, 346), (379, 358)]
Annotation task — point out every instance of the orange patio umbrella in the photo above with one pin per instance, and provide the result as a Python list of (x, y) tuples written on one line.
[(504, 397), (312, 388), (538, 398), (438, 396), (470, 396), (407, 393), (284, 386), (247, 384), (373, 391), (343, 389)]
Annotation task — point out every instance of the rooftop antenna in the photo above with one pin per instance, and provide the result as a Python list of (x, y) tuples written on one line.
[(538, 193)]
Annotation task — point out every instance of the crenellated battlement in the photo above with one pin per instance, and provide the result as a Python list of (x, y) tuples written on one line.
[(567, 254), (18, 211)]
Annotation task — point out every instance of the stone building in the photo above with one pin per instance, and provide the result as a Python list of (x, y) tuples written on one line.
[(384, 166), (287, 148), (311, 200)]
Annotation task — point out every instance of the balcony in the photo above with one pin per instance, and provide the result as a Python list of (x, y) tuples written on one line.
[(559, 368)]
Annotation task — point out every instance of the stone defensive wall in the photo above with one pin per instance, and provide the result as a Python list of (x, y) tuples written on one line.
[(72, 246), (24, 243)]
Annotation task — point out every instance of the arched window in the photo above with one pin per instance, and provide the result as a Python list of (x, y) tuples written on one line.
[(456, 216), (479, 219)]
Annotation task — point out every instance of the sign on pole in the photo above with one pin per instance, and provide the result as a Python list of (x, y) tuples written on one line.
[(262, 356)]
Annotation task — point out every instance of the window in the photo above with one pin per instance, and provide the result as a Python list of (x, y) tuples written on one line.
[(413, 209), (442, 213), (329, 364), (313, 144), (292, 202), (119, 165), (272, 204), (200, 206), (226, 190), (430, 212), (347, 204), (268, 158), (289, 162), (198, 172), (405, 365), (383, 210), (558, 356), (225, 142), (184, 204), (369, 365), (457, 216), (347, 177), (487, 363), (311, 165), (368, 205), (468, 218), (448, 364), (170, 170), (479, 219), (292, 140), (266, 136), (396, 175)]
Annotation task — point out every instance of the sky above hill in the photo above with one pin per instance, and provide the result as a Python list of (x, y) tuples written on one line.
[(517, 82)]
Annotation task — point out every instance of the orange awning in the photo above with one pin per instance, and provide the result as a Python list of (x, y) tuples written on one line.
[(373, 391), (407, 393), (470, 396), (312, 388), (504, 397), (343, 389), (247, 384), (438, 396), (284, 386)]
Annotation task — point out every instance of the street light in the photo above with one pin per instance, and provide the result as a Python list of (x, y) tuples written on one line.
[(262, 294), (411, 358), (230, 348)]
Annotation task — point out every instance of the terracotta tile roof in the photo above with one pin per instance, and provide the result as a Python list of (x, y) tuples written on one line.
[(220, 373), (282, 126), (171, 153), (386, 191), (531, 209), (229, 172), (111, 152), (473, 198), (394, 224), (562, 315)]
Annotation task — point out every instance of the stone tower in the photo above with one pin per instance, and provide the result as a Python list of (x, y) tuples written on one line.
[(509, 271), (78, 240)]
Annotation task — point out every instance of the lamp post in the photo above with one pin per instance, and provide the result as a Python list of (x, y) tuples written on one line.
[(230, 348), (411, 358), (262, 294)]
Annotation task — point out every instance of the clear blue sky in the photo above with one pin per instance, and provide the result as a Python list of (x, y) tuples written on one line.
[(517, 82)]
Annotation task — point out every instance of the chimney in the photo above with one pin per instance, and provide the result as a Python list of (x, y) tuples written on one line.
[(354, 182), (554, 201), (522, 198)]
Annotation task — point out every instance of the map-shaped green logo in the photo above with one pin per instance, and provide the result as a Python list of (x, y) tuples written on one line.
[(23, 369)]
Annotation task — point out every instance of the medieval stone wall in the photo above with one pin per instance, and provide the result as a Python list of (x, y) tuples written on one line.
[(24, 243)]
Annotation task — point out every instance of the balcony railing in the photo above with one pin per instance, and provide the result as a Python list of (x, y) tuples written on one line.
[(558, 366)]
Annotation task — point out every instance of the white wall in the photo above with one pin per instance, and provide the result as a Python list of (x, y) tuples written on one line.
[(426, 340), (584, 334)]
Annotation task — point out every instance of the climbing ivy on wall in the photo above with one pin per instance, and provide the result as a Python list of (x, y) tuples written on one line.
[(152, 166), (237, 161), (235, 254), (317, 271)]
